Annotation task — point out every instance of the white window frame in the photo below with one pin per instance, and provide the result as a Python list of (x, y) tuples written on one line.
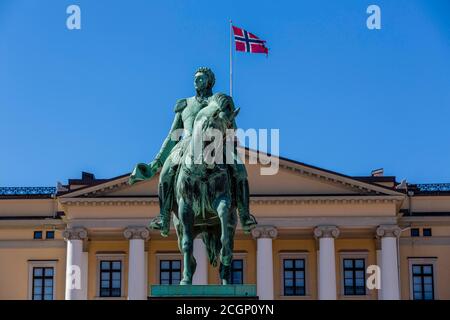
[(421, 261), (40, 264), (106, 257), (294, 255), (353, 255), (167, 256)]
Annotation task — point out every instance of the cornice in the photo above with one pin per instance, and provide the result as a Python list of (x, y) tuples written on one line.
[(122, 201), (271, 200)]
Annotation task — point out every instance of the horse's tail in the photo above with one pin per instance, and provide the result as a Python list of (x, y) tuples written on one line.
[(213, 246)]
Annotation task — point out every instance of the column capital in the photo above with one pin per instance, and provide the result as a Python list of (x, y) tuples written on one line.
[(326, 232), (392, 231), (137, 233), (264, 232), (77, 233)]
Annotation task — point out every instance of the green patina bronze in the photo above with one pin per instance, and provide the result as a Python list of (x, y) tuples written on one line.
[(210, 291), (203, 196)]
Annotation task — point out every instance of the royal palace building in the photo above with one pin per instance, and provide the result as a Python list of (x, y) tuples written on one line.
[(320, 235)]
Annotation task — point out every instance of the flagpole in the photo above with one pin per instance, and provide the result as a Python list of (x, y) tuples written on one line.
[(231, 58)]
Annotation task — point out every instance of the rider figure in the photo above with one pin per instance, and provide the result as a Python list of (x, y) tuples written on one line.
[(171, 151)]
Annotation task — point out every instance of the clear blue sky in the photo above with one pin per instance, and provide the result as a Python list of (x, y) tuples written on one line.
[(344, 98)]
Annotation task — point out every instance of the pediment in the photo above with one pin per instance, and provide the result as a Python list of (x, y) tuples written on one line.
[(292, 179)]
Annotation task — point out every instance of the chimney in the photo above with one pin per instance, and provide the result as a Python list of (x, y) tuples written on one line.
[(378, 172)]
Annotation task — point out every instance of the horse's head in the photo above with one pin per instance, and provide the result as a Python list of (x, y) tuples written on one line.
[(219, 114), (212, 125)]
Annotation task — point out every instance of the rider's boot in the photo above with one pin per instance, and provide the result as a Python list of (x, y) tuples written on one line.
[(162, 221), (248, 221)]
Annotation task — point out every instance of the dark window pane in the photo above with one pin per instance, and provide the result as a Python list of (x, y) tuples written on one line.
[(417, 269), (37, 235), (48, 297), (299, 264), (288, 263), (289, 291), (165, 264), (348, 263), (104, 276), (415, 232), (359, 263), (427, 232), (165, 275), (37, 297), (348, 274), (50, 235), (237, 264), (105, 265), (38, 272), (427, 269), (116, 265), (360, 291), (115, 292), (48, 272), (116, 275), (360, 282), (176, 264), (104, 292), (428, 280)]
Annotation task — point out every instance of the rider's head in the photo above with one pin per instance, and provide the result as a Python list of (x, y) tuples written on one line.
[(204, 80)]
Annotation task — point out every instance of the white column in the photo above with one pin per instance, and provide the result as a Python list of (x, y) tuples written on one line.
[(264, 261), (378, 246), (201, 257), (389, 263), (327, 261), (75, 264), (137, 286)]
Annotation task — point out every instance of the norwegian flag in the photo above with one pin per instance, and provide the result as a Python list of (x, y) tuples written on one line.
[(248, 42)]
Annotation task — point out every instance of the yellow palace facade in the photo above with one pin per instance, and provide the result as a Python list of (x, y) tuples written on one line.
[(320, 235)]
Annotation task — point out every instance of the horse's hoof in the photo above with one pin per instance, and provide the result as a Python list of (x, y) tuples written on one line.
[(185, 282)]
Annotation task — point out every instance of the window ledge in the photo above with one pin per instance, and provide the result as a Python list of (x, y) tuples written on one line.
[(295, 297), (355, 297), (110, 298)]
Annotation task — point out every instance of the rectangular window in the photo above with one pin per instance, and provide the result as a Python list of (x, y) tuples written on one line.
[(415, 232), (354, 277), (294, 277), (43, 283), (427, 232), (169, 271), (50, 235), (423, 282), (110, 278), (37, 235), (237, 271)]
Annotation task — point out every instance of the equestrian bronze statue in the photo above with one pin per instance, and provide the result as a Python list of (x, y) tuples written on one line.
[(203, 189)]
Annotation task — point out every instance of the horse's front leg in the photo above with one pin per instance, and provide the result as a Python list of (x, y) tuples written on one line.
[(187, 243), (223, 211)]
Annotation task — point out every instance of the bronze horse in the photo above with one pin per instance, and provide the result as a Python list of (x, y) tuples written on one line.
[(204, 191)]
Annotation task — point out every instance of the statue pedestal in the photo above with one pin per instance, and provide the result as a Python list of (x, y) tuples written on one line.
[(195, 292)]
